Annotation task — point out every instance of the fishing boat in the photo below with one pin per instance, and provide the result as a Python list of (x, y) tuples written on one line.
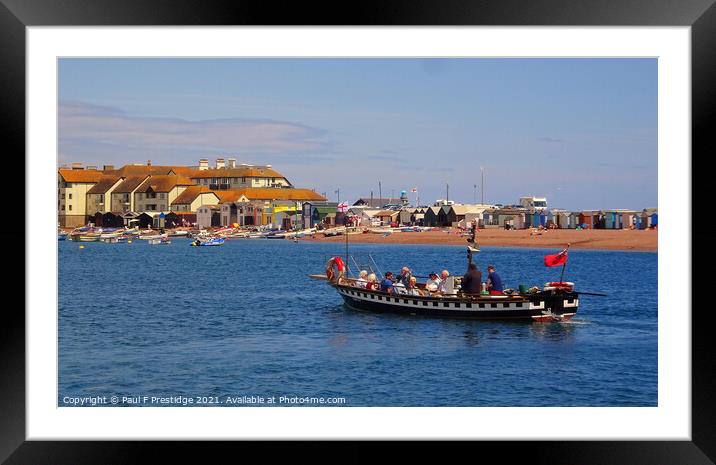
[(214, 241), (556, 301), (152, 236), (160, 241), (276, 235), (86, 237), (180, 233)]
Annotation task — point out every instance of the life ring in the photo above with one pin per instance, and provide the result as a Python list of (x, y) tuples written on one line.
[(338, 263), (560, 285)]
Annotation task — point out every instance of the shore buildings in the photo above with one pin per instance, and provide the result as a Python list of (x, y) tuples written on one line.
[(249, 194)]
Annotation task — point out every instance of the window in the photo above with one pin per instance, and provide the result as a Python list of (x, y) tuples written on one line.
[(63, 208), (243, 179), (70, 196), (63, 196), (69, 207), (161, 196)]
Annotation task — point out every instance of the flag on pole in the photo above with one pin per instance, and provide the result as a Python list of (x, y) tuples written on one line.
[(556, 259), (414, 190), (343, 207)]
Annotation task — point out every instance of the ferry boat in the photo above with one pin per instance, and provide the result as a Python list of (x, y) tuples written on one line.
[(553, 303), (556, 301)]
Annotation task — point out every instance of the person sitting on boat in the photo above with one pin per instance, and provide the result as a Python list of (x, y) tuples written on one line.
[(411, 288), (405, 276), (386, 285), (372, 283), (494, 282), (472, 280), (443, 281), (433, 282), (361, 281)]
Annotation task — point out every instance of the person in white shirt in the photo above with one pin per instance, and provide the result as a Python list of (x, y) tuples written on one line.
[(443, 281), (411, 288), (362, 281), (432, 283)]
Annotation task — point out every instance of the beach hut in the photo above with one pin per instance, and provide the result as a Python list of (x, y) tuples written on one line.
[(431, 216), (418, 217), (585, 220), (443, 215), (145, 220), (406, 216), (561, 219), (650, 218), (179, 219), (130, 219), (611, 220)]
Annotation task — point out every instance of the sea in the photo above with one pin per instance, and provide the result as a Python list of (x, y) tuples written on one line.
[(243, 325)]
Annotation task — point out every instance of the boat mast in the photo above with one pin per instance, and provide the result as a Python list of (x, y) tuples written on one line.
[(472, 246)]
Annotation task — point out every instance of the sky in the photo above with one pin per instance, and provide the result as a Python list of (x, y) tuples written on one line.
[(581, 132)]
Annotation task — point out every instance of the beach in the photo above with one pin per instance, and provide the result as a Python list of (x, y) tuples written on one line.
[(598, 239)]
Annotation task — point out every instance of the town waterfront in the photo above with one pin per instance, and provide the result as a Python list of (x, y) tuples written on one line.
[(245, 320)]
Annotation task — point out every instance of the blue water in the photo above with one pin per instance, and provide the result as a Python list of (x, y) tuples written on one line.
[(244, 319)]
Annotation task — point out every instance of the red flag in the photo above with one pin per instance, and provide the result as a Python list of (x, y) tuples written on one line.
[(556, 259)]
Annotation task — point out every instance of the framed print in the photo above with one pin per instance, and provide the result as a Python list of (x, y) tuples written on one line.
[(231, 124)]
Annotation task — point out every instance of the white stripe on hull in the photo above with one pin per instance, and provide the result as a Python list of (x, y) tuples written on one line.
[(447, 304)]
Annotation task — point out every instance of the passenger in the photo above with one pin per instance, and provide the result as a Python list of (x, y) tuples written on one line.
[(494, 282), (443, 281), (386, 285), (411, 288), (472, 280), (432, 283), (405, 276), (361, 281), (372, 283)]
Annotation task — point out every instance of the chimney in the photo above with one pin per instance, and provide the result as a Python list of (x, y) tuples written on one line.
[(204, 164), (231, 163), (220, 163), (108, 168), (77, 166)]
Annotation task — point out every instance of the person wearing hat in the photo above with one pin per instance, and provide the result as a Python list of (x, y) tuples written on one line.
[(433, 282)]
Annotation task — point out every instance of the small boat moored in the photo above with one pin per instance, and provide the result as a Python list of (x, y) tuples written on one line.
[(214, 241)]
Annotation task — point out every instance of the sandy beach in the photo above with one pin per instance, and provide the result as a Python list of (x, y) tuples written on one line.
[(604, 239)]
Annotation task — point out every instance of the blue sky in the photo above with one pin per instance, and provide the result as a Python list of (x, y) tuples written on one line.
[(582, 132)]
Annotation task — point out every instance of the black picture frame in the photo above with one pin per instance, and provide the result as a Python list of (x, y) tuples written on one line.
[(16, 15)]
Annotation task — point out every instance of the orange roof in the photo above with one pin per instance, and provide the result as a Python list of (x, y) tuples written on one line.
[(129, 184), (239, 172), (190, 194), (163, 183), (81, 176), (265, 193), (104, 184), (140, 170)]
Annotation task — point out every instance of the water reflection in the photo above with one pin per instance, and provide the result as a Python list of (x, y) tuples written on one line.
[(554, 331)]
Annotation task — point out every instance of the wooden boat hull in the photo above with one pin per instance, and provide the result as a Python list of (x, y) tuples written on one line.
[(543, 306)]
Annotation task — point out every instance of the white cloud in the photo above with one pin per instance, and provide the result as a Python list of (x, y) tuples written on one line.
[(86, 129)]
